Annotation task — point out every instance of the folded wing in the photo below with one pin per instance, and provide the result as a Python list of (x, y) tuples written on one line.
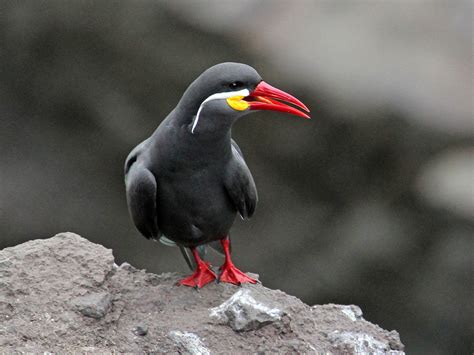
[(141, 197), (239, 184)]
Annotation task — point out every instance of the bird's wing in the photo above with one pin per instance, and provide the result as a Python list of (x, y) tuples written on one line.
[(140, 186), (141, 189), (239, 184)]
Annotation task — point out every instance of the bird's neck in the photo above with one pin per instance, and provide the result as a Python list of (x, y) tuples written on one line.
[(209, 141), (213, 145)]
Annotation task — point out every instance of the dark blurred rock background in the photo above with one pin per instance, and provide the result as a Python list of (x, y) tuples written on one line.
[(369, 203)]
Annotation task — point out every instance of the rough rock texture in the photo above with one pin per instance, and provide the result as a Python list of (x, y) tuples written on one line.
[(94, 305), (242, 312), (66, 294)]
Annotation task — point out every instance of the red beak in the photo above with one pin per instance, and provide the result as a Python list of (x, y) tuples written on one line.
[(262, 99)]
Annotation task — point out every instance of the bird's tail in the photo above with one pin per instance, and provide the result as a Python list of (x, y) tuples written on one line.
[(201, 249), (188, 256)]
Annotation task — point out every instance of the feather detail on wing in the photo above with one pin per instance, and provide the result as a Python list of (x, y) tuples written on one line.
[(141, 188), (239, 184)]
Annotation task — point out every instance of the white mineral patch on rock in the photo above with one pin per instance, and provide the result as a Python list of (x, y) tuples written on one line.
[(353, 312), (189, 342), (360, 343), (243, 312)]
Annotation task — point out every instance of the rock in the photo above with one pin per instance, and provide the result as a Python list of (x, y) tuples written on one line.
[(94, 305), (189, 342), (66, 294), (360, 343), (353, 312), (6, 310), (140, 330), (243, 312)]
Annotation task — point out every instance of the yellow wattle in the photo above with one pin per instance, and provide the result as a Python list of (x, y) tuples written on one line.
[(237, 103)]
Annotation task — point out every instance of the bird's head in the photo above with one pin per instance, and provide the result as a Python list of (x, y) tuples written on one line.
[(228, 91)]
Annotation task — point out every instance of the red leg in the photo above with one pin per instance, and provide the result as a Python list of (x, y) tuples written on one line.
[(230, 273), (203, 274)]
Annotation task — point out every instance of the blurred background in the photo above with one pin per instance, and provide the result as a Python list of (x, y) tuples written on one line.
[(371, 202)]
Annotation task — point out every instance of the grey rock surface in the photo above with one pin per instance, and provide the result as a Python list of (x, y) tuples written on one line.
[(189, 342), (360, 343), (242, 312), (93, 305), (140, 330), (66, 294)]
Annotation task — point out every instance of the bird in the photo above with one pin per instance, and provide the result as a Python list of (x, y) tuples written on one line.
[(188, 181)]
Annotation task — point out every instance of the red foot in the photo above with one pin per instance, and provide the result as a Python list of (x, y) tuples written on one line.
[(229, 272), (202, 276), (234, 276)]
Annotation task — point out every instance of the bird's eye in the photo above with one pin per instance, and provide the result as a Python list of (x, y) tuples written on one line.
[(236, 84)]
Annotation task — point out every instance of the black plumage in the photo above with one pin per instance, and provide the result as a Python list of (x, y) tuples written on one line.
[(187, 182)]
